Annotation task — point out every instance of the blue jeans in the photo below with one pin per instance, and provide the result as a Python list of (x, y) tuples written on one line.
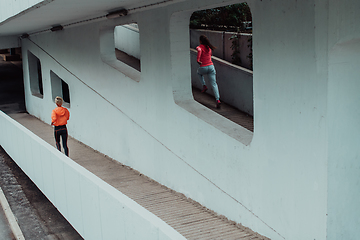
[(210, 71)]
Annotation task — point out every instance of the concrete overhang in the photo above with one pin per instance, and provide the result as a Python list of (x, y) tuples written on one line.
[(9, 42), (46, 14)]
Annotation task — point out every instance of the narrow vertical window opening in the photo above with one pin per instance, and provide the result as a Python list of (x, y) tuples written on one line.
[(59, 88), (127, 45), (35, 75)]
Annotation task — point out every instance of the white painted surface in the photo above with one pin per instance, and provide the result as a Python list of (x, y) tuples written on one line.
[(280, 197), (22, 16), (94, 208), (297, 179), (178, 148), (127, 39), (9, 42), (107, 53), (15, 7), (343, 123)]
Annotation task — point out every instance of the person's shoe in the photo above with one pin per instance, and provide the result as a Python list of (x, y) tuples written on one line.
[(204, 89), (218, 103)]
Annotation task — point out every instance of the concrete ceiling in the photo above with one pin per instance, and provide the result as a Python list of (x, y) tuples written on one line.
[(50, 13)]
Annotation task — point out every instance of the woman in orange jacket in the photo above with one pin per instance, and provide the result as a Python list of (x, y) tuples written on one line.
[(59, 118)]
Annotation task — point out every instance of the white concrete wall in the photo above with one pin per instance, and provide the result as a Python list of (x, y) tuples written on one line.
[(344, 115), (127, 40), (9, 42), (148, 131), (94, 208), (287, 179), (8, 9)]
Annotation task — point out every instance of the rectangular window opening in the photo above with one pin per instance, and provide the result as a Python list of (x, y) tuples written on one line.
[(59, 88), (66, 93), (235, 83), (229, 29), (127, 45), (35, 75)]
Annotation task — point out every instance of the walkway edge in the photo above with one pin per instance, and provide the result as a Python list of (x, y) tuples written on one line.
[(15, 228)]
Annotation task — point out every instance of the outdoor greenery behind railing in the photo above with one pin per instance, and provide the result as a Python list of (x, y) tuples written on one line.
[(231, 18)]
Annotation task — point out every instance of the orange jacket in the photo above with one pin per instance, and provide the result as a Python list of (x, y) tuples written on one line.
[(59, 116)]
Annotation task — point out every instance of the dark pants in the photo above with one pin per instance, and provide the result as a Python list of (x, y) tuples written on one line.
[(61, 131)]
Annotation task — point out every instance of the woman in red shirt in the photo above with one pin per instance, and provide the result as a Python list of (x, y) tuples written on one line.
[(59, 118), (204, 52)]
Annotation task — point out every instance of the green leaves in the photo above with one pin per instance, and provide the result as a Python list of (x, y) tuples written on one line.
[(228, 18)]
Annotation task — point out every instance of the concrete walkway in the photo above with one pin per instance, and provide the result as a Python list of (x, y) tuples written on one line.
[(189, 218), (227, 111)]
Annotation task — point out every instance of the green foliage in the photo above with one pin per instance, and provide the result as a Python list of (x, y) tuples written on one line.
[(250, 56), (235, 46), (228, 18)]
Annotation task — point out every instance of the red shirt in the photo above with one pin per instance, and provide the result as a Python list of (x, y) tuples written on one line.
[(204, 55)]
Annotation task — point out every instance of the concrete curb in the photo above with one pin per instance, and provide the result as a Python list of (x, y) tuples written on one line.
[(10, 217)]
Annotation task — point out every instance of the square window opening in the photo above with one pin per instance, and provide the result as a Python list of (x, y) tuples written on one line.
[(120, 49)]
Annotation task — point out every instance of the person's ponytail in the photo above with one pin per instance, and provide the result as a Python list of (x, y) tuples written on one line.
[(205, 41)]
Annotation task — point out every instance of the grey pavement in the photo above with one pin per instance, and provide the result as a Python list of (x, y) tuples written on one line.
[(243, 119), (5, 231)]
